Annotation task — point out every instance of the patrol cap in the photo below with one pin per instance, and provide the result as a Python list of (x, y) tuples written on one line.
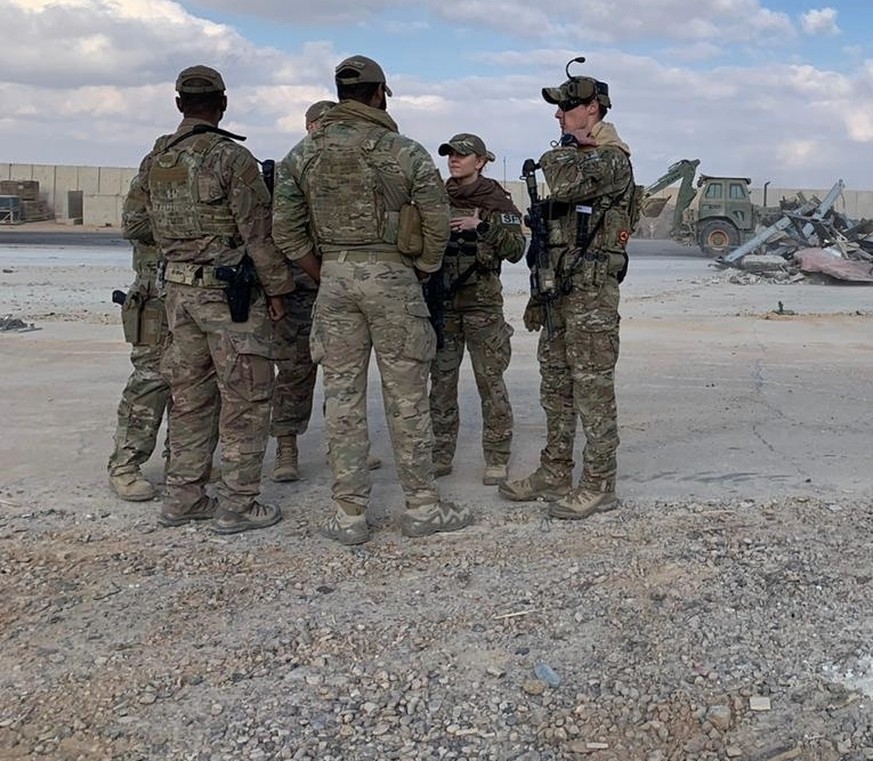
[(199, 79), (576, 91), (318, 109), (465, 144), (358, 69)]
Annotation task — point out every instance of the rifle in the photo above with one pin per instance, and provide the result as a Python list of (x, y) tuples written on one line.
[(543, 284), (240, 279)]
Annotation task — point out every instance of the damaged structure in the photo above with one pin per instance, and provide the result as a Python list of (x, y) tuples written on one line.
[(809, 238)]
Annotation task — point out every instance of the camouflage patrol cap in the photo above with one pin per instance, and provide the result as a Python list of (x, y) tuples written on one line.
[(576, 91), (465, 144), (359, 69), (199, 79), (318, 109)]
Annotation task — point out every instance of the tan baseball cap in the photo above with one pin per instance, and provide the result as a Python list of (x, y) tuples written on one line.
[(357, 69), (318, 109), (466, 143), (199, 79)]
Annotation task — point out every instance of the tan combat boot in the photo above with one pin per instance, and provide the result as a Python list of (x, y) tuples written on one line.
[(537, 486), (583, 502), (495, 475), (133, 487), (285, 467)]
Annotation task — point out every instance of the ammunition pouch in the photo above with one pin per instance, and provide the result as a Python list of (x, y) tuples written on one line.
[(410, 238), (587, 272), (143, 319)]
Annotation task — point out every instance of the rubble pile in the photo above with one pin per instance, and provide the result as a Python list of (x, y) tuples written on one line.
[(809, 238)]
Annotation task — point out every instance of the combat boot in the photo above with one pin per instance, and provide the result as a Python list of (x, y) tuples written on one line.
[(584, 502), (285, 468), (431, 519), (495, 475), (537, 486), (202, 511), (257, 516), (133, 487), (346, 529)]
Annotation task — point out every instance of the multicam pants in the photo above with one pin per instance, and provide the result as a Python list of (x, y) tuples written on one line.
[(378, 305), (295, 379), (144, 398), (209, 357), (577, 379), (487, 337)]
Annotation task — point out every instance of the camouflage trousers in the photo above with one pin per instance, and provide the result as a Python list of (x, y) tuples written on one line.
[(577, 379), (378, 305), (487, 337), (140, 412), (215, 365), (296, 372)]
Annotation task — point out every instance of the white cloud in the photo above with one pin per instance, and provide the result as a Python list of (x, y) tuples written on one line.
[(796, 124), (822, 21)]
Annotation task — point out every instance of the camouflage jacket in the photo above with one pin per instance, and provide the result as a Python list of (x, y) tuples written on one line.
[(342, 187), (229, 181), (504, 241), (138, 229), (599, 179)]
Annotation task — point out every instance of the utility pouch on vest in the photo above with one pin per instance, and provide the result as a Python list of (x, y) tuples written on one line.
[(130, 313), (152, 323), (592, 271), (410, 240)]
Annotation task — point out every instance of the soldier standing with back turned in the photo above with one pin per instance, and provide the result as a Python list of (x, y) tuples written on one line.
[(341, 194), (592, 192), (210, 214)]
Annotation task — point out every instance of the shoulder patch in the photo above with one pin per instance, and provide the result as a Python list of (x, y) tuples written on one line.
[(510, 218)]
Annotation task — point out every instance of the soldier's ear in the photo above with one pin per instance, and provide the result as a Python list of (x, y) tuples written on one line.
[(179, 104)]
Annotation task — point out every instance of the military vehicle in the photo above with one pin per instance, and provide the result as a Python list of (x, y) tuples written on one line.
[(724, 218)]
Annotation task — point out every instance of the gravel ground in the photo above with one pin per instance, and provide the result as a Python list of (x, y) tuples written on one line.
[(694, 629)]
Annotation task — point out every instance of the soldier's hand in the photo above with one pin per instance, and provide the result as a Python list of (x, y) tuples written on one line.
[(276, 307), (423, 277)]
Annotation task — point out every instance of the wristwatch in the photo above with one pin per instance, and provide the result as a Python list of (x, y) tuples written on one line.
[(482, 228)]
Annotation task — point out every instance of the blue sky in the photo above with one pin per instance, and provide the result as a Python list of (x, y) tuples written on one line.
[(775, 90)]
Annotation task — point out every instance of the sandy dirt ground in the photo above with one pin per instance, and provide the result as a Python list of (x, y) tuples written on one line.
[(725, 611)]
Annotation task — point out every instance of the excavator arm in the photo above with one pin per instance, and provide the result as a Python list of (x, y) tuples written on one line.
[(683, 170)]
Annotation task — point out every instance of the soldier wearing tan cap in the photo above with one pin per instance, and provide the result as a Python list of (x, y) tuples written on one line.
[(486, 231), (209, 212)]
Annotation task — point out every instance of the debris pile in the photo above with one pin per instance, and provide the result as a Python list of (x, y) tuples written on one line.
[(11, 324), (811, 238)]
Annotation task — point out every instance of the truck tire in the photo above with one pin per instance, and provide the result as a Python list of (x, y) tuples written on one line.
[(717, 237)]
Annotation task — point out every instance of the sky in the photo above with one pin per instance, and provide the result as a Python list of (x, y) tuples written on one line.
[(773, 90)]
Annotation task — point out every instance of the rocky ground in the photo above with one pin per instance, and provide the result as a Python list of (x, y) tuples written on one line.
[(694, 629)]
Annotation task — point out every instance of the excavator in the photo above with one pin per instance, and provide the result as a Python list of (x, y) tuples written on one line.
[(725, 216)]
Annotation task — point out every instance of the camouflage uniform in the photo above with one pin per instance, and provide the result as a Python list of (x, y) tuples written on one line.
[(146, 394), (473, 314), (296, 372), (577, 366), (209, 207), (339, 194)]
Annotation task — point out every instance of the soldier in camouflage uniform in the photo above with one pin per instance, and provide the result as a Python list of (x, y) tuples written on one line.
[(296, 372), (210, 214), (593, 193), (145, 396), (486, 230), (345, 194)]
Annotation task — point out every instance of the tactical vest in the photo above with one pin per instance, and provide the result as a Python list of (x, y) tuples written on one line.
[(348, 203), (187, 200)]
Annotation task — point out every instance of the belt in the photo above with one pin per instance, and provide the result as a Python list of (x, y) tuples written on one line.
[(366, 257), (198, 275)]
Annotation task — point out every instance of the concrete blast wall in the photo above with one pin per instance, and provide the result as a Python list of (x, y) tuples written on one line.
[(103, 190)]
